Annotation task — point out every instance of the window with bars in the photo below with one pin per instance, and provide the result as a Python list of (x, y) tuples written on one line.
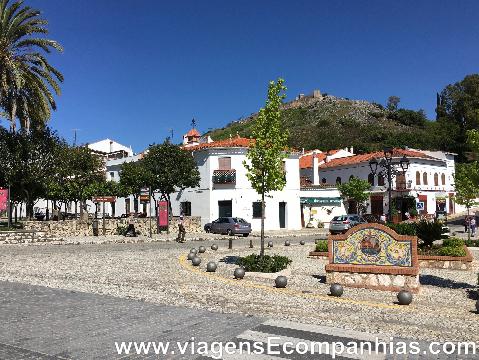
[(186, 208), (257, 210)]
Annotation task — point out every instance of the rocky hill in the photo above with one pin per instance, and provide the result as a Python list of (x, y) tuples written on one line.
[(329, 122)]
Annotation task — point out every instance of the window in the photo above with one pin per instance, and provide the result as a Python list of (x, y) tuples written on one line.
[(257, 210), (424, 178), (443, 179), (371, 179), (224, 163), (112, 175), (323, 180), (380, 180), (418, 178), (186, 208), (436, 179), (338, 180)]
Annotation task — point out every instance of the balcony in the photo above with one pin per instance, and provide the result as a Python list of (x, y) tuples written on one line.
[(224, 176)]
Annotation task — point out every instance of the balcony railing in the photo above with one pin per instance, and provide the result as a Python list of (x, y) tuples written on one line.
[(224, 176)]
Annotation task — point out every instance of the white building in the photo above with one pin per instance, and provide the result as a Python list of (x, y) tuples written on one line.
[(429, 179), (110, 149), (225, 190)]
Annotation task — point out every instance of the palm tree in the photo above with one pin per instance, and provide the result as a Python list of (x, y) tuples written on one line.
[(27, 80)]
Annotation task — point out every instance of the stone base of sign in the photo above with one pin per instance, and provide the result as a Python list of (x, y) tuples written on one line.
[(386, 282)]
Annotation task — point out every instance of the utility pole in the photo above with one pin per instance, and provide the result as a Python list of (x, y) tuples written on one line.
[(75, 136)]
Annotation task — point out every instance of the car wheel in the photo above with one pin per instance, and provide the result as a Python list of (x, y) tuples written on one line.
[(208, 229), (229, 232), (245, 235)]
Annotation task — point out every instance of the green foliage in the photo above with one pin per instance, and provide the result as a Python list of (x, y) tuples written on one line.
[(267, 152), (322, 245), (458, 105), (467, 184), (392, 103), (471, 243), (404, 228), (121, 230), (453, 242), (264, 263), (167, 167), (355, 189), (451, 251), (429, 231), (28, 80), (409, 117)]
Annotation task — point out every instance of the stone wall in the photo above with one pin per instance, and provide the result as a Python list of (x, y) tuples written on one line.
[(27, 237), (389, 282), (82, 228)]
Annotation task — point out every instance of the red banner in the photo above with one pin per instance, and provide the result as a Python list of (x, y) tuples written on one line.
[(3, 199), (162, 213)]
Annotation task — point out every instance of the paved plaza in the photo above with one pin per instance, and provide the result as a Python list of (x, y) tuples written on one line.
[(75, 301)]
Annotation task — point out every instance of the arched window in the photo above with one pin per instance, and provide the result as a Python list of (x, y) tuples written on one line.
[(338, 180), (443, 179), (371, 179), (380, 180), (436, 179), (418, 178), (351, 177), (424, 178), (323, 180)]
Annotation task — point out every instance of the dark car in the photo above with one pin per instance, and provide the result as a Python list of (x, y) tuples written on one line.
[(342, 223), (230, 226)]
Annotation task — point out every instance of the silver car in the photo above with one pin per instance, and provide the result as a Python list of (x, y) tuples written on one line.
[(229, 225), (342, 223)]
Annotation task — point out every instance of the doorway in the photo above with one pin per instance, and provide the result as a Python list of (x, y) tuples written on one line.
[(225, 208), (377, 207), (282, 215)]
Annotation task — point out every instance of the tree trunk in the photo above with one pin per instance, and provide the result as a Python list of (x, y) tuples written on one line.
[(262, 224), (468, 223)]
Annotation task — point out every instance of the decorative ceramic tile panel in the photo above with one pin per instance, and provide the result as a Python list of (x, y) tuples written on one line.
[(372, 246)]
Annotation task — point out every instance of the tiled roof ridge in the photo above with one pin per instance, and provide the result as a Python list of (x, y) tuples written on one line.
[(232, 142)]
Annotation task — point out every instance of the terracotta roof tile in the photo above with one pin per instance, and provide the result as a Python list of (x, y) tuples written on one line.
[(193, 132), (306, 161), (227, 143), (356, 159)]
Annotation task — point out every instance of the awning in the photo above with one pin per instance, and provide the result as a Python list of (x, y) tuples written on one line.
[(324, 201)]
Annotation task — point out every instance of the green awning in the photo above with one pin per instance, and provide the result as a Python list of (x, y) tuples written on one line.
[(324, 201)]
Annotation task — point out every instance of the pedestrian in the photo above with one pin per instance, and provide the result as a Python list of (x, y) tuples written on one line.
[(473, 226), (382, 219), (466, 224), (181, 230)]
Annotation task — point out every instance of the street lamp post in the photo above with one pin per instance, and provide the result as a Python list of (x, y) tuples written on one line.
[(389, 169)]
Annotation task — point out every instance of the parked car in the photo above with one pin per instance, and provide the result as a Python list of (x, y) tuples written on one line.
[(229, 225), (342, 223)]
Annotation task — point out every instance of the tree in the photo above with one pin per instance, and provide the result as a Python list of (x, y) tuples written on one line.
[(392, 103), (458, 104), (27, 80), (268, 150), (83, 168), (169, 168), (28, 162), (467, 186), (356, 189), (134, 176)]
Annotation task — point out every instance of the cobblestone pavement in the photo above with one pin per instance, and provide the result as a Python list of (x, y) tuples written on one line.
[(52, 324), (157, 273)]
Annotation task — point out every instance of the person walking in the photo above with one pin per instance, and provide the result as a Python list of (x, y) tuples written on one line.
[(473, 226), (181, 230)]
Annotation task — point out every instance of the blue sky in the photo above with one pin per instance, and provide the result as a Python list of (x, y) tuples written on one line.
[(135, 69)]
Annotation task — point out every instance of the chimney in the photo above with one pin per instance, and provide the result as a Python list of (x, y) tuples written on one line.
[(351, 150), (315, 168), (111, 146)]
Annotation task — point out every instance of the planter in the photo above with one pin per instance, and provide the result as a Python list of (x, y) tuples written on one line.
[(447, 262)]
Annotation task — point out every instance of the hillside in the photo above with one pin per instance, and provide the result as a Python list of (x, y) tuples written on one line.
[(328, 122)]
